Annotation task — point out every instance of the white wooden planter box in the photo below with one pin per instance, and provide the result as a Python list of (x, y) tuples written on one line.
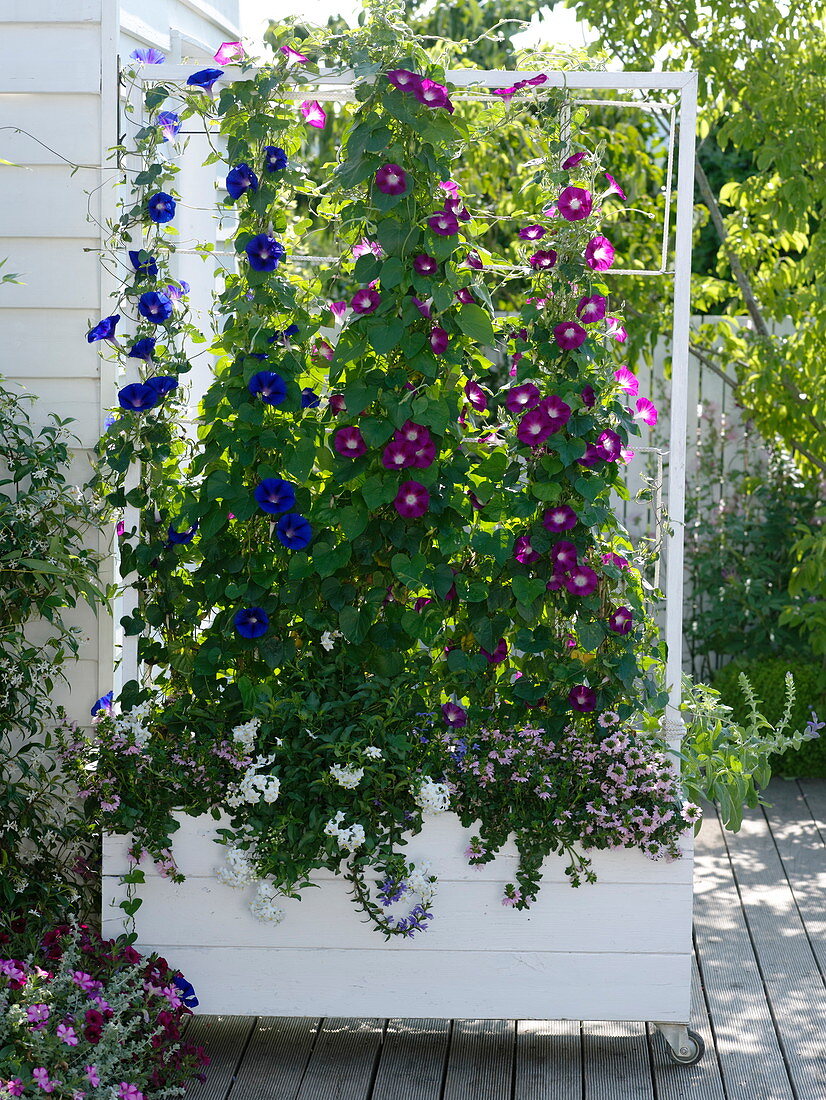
[(616, 950)]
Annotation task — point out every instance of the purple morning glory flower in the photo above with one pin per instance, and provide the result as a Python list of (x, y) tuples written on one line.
[(591, 308), (524, 552), (264, 252), (275, 159), (293, 56), (588, 397), (314, 114), (531, 232), (474, 260), (349, 442), (569, 335), (413, 433), (439, 340), (169, 124), (421, 306), (160, 207), (556, 410), (621, 621), (142, 349), (391, 179), (454, 715), (424, 264), (582, 698), (365, 301), (563, 555), (543, 260), (465, 296), (476, 396), (294, 531), (412, 500), (561, 517), (499, 654), (581, 581), (404, 80), (241, 179), (274, 495), (181, 538), (176, 293), (270, 386), (616, 330), (534, 427), (575, 203), (228, 52), (204, 78), (103, 330), (148, 57), (397, 454), (137, 397), (423, 454), (444, 223), (155, 306), (309, 398), (433, 95), (593, 455), (454, 205), (146, 268), (252, 622), (162, 384), (573, 161), (599, 253), (522, 398)]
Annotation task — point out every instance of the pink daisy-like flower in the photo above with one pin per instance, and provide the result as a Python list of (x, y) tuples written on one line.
[(591, 308), (439, 340), (575, 203), (314, 114), (499, 654), (465, 296), (444, 223), (561, 517), (424, 264), (543, 260), (616, 330), (474, 260), (454, 715), (646, 411), (228, 52), (582, 698), (570, 335), (531, 232), (433, 95), (522, 398), (365, 301), (412, 500), (573, 160), (349, 442), (397, 454), (614, 188), (599, 253), (421, 306), (476, 396), (556, 410), (534, 427), (563, 555), (404, 80), (609, 445), (581, 581), (621, 621), (391, 179), (293, 56), (524, 552), (628, 381)]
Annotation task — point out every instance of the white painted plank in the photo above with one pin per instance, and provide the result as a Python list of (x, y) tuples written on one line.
[(52, 341), (43, 58), (55, 203), (603, 917), (81, 617), (444, 984), (56, 274), (51, 11), (76, 401), (81, 691), (68, 124)]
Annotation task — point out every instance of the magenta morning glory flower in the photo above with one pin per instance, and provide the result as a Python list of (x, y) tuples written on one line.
[(391, 179), (294, 531), (499, 654), (148, 57), (543, 260), (646, 411), (474, 260), (588, 397), (137, 397), (621, 621), (439, 340), (616, 330), (581, 580), (573, 161), (160, 207), (570, 335), (397, 454), (252, 622), (599, 253), (618, 560), (338, 309), (421, 306), (522, 398), (323, 350), (524, 552), (274, 495), (556, 410), (364, 246), (412, 500), (314, 114), (349, 442), (454, 205), (264, 252), (228, 52), (240, 180), (169, 125), (404, 80), (582, 698), (444, 223), (204, 78), (628, 381), (432, 94), (465, 296), (454, 715), (609, 445), (563, 555), (561, 517), (415, 434), (531, 232), (155, 306), (269, 386), (591, 308), (592, 456), (476, 396), (451, 186), (293, 56), (614, 188), (423, 454), (574, 203), (365, 301), (424, 264), (104, 330), (337, 404), (534, 427), (275, 159)]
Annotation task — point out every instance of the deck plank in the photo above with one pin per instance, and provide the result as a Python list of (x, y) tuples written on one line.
[(617, 1062), (225, 1039), (814, 791), (700, 1082), (275, 1059), (343, 1060), (548, 1060), (480, 1064), (413, 1060)]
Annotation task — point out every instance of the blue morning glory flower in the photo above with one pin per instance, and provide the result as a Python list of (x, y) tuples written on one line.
[(275, 159), (204, 78), (264, 252), (252, 622), (142, 349), (177, 292), (148, 57), (283, 337), (180, 538), (161, 207), (162, 384), (270, 386), (294, 531), (309, 399), (261, 356), (185, 991), (169, 125), (146, 268), (103, 330), (104, 703), (274, 495), (240, 180), (137, 397), (155, 306)]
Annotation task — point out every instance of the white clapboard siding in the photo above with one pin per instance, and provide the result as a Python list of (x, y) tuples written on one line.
[(51, 11), (37, 215), (57, 274), (46, 342), (50, 58), (53, 129)]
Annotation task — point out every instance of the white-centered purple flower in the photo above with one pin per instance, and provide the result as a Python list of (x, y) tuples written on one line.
[(563, 555), (397, 455), (432, 94), (454, 205), (404, 80), (169, 124), (599, 253), (573, 160), (274, 495), (412, 500), (524, 552), (264, 252), (499, 654), (581, 580), (424, 264), (534, 427), (616, 330), (591, 308), (561, 517), (421, 306), (162, 384), (474, 260), (241, 179), (582, 698), (175, 293), (522, 398), (444, 223), (628, 381), (148, 56), (362, 247), (155, 306), (575, 203), (476, 396), (569, 335), (309, 398), (465, 296), (646, 411), (415, 434), (275, 159), (614, 188), (365, 301), (252, 622), (557, 411), (104, 330), (314, 114), (228, 52), (391, 179), (531, 232), (143, 349), (160, 207), (454, 715), (609, 445), (621, 621), (349, 442), (543, 260), (423, 454), (593, 455), (293, 56), (439, 340)]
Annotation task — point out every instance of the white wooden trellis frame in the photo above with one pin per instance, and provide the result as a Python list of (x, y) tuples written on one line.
[(672, 1005)]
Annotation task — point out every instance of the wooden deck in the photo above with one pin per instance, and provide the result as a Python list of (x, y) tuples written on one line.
[(759, 1003)]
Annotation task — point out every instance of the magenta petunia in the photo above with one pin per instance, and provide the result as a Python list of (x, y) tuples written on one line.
[(349, 442), (365, 301), (454, 715), (424, 264), (404, 80), (522, 398), (614, 188), (314, 114), (397, 455), (556, 410), (476, 396), (570, 335), (628, 381), (575, 203), (543, 260), (534, 427), (563, 555), (531, 232), (524, 552), (582, 698), (474, 260), (621, 621), (561, 517), (616, 330), (465, 296), (591, 308), (412, 500), (439, 340), (432, 94), (573, 161), (646, 411), (599, 253), (391, 179), (581, 580), (609, 445), (499, 654), (444, 223)]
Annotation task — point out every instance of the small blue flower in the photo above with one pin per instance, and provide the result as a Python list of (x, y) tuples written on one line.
[(142, 349), (240, 180), (204, 78), (161, 207), (270, 386), (283, 337), (261, 356), (162, 384), (103, 330), (309, 398), (275, 159), (181, 538), (148, 57), (294, 531), (155, 306), (186, 991), (104, 703), (252, 622), (137, 397), (274, 495), (146, 268), (177, 292), (265, 253), (169, 125)]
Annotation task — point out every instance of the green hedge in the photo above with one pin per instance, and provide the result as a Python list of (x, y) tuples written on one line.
[(768, 680)]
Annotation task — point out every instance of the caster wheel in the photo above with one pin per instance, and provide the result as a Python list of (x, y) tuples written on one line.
[(696, 1049)]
